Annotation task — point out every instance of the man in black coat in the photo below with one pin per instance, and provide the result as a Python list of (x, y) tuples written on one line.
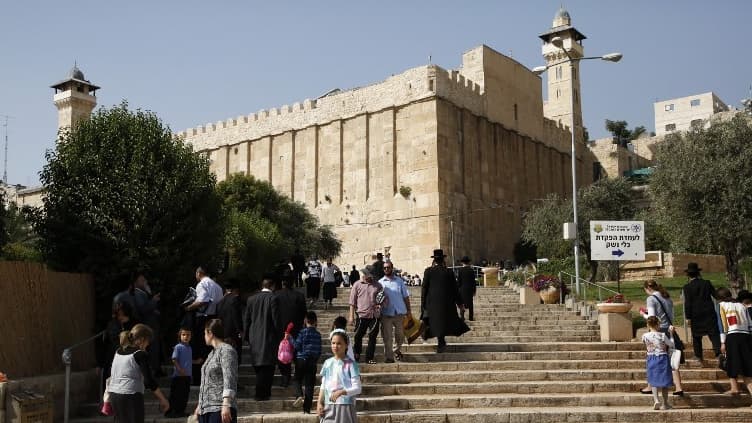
[(467, 283), (292, 309), (700, 311), (263, 335), (298, 267), (230, 312), (439, 301)]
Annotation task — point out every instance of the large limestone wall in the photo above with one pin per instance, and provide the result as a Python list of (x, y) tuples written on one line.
[(346, 155), (489, 177)]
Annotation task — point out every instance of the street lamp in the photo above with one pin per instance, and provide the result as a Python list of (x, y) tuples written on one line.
[(611, 57)]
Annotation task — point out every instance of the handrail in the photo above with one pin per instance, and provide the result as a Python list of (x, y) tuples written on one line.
[(584, 284), (477, 269), (67, 359)]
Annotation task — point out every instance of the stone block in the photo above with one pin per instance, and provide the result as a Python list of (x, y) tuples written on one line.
[(528, 296), (615, 326), (490, 276)]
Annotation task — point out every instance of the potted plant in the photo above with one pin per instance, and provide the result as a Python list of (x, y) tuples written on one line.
[(550, 288), (615, 304)]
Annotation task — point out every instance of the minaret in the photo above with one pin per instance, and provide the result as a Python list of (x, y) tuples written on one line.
[(563, 76), (75, 98)]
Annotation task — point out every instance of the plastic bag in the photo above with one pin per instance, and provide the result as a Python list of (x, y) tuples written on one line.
[(286, 352)]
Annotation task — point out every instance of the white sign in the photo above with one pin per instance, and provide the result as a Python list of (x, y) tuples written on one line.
[(617, 240)]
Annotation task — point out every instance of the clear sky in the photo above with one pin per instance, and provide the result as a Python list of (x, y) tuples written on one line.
[(195, 61)]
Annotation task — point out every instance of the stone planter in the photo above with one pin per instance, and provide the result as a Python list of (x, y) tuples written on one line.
[(614, 307), (550, 296)]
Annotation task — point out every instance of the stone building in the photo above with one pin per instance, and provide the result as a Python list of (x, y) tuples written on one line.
[(428, 158), (681, 114)]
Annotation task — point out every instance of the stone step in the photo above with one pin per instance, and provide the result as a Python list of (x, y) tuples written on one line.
[(596, 407)]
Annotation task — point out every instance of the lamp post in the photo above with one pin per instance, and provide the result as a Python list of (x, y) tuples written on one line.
[(611, 57)]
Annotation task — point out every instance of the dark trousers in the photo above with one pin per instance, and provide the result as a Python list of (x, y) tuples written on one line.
[(128, 408), (442, 341), (298, 278), (469, 309), (313, 286), (715, 339), (362, 327), (264, 379), (305, 378), (216, 417), (198, 345), (286, 371), (180, 388)]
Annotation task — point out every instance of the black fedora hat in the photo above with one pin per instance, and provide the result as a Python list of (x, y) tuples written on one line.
[(438, 253), (692, 267), (465, 259)]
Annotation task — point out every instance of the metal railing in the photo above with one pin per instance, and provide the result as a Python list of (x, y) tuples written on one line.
[(67, 359), (477, 269), (586, 287)]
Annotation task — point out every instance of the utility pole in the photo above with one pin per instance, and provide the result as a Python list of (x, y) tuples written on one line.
[(5, 161)]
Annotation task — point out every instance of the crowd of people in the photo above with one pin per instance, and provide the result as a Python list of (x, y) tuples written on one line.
[(710, 312), (278, 313)]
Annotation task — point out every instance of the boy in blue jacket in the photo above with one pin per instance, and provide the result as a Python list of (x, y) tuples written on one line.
[(307, 353)]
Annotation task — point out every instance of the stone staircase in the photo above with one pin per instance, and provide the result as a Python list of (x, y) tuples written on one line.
[(535, 363)]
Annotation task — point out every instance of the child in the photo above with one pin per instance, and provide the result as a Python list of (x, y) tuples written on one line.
[(340, 384), (180, 384), (658, 363), (307, 352), (340, 325)]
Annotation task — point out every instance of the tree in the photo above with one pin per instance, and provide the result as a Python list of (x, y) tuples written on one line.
[(22, 242), (607, 199), (622, 135), (702, 190), (266, 227), (124, 195)]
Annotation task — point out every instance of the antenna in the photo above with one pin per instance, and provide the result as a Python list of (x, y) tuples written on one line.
[(5, 162)]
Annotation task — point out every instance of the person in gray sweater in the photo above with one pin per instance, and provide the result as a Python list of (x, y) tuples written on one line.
[(217, 401)]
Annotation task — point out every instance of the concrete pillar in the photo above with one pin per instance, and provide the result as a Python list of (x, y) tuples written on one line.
[(528, 296), (615, 326)]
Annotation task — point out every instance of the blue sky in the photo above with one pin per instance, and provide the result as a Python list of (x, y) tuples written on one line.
[(194, 62)]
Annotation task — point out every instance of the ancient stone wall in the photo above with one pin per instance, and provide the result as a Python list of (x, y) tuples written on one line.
[(346, 156)]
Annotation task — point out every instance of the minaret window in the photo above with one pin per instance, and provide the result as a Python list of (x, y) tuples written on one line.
[(558, 72), (574, 73)]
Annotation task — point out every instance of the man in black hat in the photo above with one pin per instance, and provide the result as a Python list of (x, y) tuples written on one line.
[(439, 301), (700, 311), (466, 278)]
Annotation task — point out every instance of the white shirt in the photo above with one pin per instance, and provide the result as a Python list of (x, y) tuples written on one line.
[(208, 291)]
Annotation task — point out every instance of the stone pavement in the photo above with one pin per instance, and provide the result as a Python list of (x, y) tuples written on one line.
[(534, 363)]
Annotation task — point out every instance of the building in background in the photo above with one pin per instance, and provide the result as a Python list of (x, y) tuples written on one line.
[(681, 114)]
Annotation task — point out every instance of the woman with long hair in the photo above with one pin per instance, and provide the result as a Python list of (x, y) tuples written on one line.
[(130, 374), (659, 304)]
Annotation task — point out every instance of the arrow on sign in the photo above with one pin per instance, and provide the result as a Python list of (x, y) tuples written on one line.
[(617, 253)]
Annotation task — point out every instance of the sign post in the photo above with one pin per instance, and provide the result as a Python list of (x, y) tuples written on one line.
[(617, 240)]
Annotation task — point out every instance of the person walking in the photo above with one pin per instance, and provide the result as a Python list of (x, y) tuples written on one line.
[(659, 304), (313, 281), (130, 374), (736, 341), (307, 353), (354, 276), (439, 302), (230, 312), (329, 280), (263, 336), (208, 295), (340, 384), (657, 362), (468, 287), (364, 315), (292, 310), (393, 312), (699, 311), (298, 267), (217, 396)]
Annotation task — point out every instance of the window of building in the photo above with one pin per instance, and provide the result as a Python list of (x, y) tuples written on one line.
[(576, 97), (515, 111), (695, 102), (671, 127), (696, 123), (558, 93), (574, 73), (558, 72), (597, 171), (669, 107)]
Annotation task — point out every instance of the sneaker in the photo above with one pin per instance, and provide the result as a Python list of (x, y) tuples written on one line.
[(657, 406), (666, 406), (298, 402)]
